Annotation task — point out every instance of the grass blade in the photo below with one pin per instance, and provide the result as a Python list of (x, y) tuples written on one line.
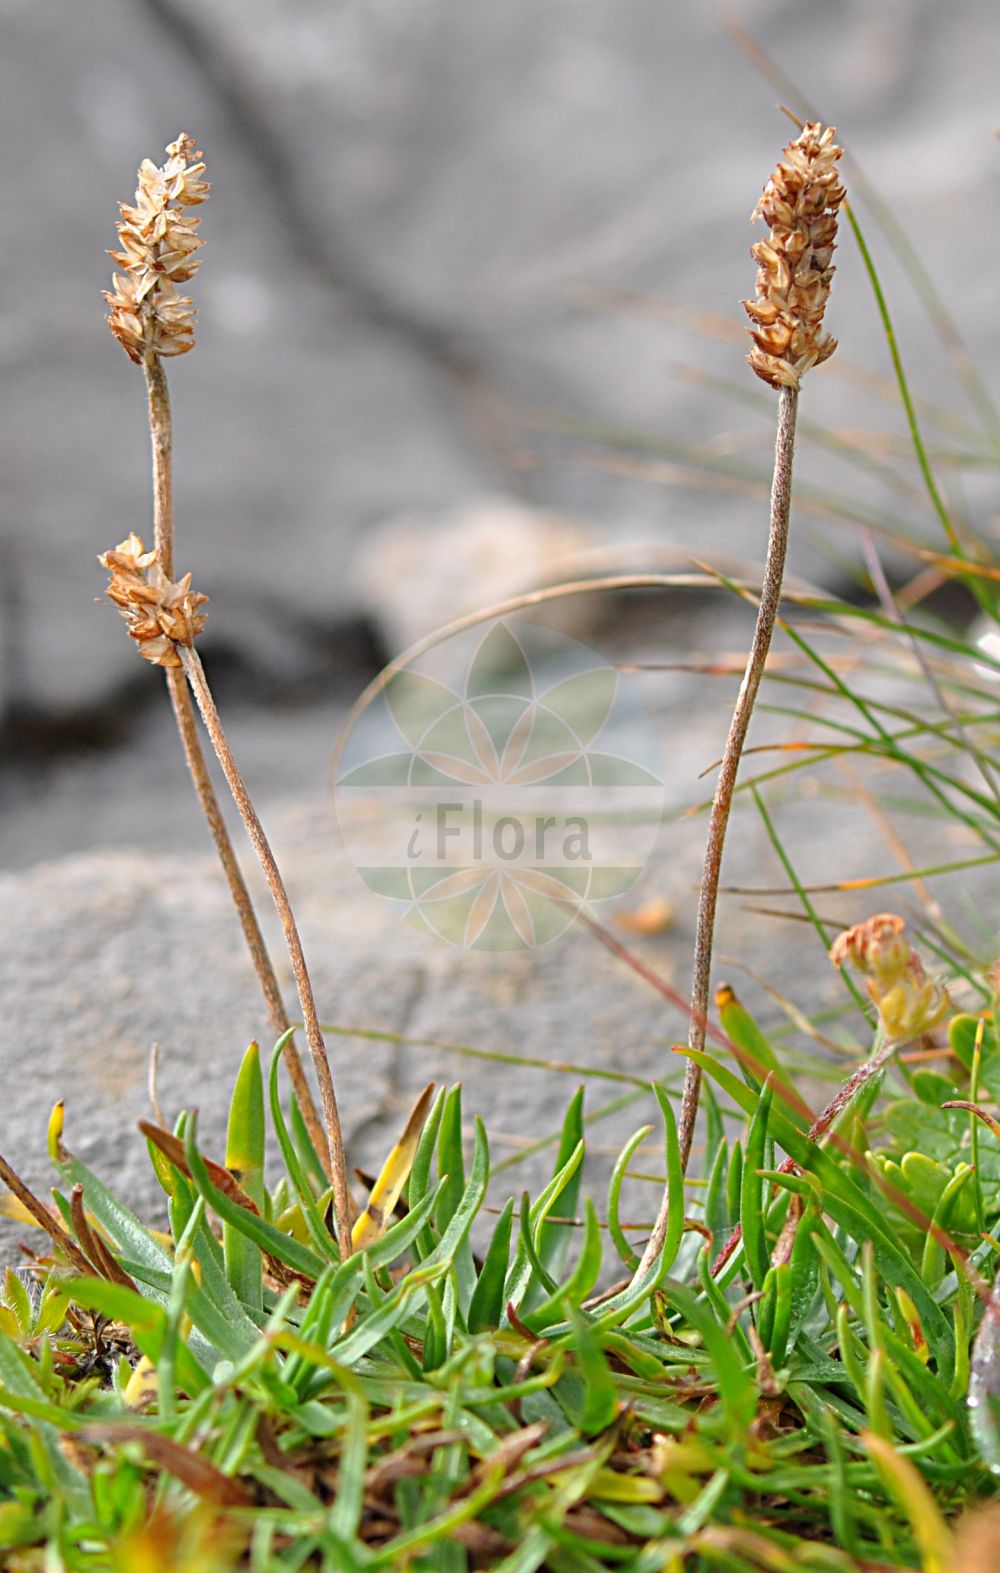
[(392, 1177), (245, 1160), (487, 1305), (753, 1191)]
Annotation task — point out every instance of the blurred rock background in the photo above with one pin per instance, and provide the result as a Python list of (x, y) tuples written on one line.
[(452, 252)]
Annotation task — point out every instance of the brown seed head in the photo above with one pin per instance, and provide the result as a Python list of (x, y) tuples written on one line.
[(161, 613), (157, 241), (794, 269)]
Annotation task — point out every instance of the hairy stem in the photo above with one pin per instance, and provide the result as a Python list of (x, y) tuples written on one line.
[(161, 435), (767, 611), (255, 830)]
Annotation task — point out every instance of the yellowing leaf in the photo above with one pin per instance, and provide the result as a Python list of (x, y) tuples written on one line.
[(372, 1223), (907, 1486), (142, 1385)]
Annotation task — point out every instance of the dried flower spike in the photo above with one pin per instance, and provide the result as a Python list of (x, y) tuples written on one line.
[(161, 613), (908, 1001), (158, 240), (794, 264), (800, 203)]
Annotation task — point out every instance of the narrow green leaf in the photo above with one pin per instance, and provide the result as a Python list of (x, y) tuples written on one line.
[(752, 1191), (245, 1135), (580, 1282), (319, 1234), (850, 1207), (487, 1305), (804, 1273), (436, 1349), (38, 1408), (398, 1240), (717, 1216), (245, 1161), (450, 1158), (984, 1386), (842, 1514), (932, 1263), (554, 1241), (617, 1234), (675, 1179), (461, 1220), (16, 1297), (781, 1313), (540, 1278), (451, 1172), (754, 1053), (129, 1233), (370, 1329), (522, 1271), (271, 1240), (737, 1389), (418, 1184), (853, 1356), (600, 1400), (17, 1376), (217, 1288), (348, 1502), (734, 1181), (715, 1130), (716, 1300), (308, 1156)]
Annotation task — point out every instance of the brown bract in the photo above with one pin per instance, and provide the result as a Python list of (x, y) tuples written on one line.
[(794, 265), (157, 241), (161, 613), (876, 946)]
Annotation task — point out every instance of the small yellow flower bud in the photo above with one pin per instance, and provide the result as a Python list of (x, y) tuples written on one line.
[(908, 1001), (912, 1005)]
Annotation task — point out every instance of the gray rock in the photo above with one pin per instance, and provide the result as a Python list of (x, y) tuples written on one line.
[(510, 186), (426, 229), (283, 418), (415, 573)]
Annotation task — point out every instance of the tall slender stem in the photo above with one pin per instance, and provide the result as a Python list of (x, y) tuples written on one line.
[(255, 830), (184, 715), (161, 436), (767, 611)]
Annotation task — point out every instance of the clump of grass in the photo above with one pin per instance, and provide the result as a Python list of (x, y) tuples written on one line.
[(231, 1394), (801, 1370)]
